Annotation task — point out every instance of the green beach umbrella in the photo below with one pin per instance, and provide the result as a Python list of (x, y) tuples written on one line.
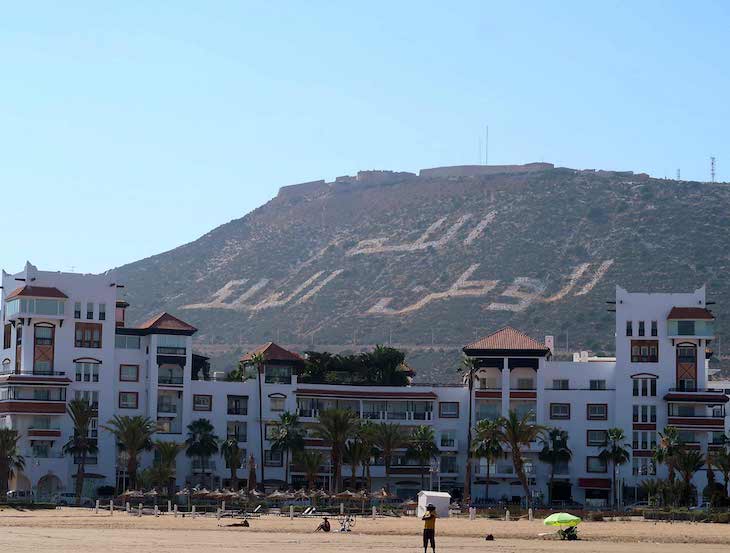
[(562, 519)]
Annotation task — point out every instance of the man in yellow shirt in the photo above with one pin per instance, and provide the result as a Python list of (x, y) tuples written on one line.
[(429, 527)]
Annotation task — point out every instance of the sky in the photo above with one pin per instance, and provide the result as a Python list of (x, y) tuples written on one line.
[(130, 128)]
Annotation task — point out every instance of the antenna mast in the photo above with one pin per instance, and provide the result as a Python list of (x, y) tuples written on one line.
[(486, 149), (712, 168)]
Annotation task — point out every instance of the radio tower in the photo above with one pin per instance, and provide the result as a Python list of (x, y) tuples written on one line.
[(712, 169), (679, 175)]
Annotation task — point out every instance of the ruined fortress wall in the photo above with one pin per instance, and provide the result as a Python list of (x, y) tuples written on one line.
[(480, 170)]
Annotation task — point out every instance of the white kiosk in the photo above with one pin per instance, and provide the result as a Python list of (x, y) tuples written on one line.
[(440, 500)]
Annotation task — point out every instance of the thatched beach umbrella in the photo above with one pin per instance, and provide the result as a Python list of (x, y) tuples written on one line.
[(301, 494), (131, 494), (380, 495), (183, 492), (200, 493), (347, 495)]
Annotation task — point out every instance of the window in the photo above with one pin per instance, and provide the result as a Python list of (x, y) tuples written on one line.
[(273, 458), (89, 396), (686, 328), (448, 438), (643, 466), (654, 330), (449, 409), (525, 384), (126, 342), (238, 405), (88, 335), (629, 328), (7, 330), (644, 413), (652, 387), (596, 438), (90, 310), (277, 375), (644, 440), (560, 411), (644, 351), (645, 387), (641, 328), (171, 345), (448, 464), (597, 411), (128, 400), (129, 373), (77, 310), (597, 384), (43, 336), (596, 464), (202, 403), (561, 384), (34, 306), (271, 430), (277, 404), (102, 311), (87, 372), (237, 431)]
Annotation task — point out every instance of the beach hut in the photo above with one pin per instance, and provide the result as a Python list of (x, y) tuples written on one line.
[(440, 500)]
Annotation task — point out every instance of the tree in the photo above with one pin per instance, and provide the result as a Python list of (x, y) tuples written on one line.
[(80, 445), (667, 448), (165, 466), (722, 462), (11, 462), (288, 436), (336, 427), (554, 451), (470, 368), (687, 463), (311, 462), (652, 488), (388, 438), (422, 447), (233, 456), (133, 435), (202, 441), (615, 454), (258, 361), (366, 433), (487, 444), (517, 433), (355, 452)]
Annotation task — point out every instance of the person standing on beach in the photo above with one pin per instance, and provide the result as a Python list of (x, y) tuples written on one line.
[(429, 527)]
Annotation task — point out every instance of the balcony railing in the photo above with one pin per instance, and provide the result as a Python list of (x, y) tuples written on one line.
[(238, 437), (34, 372), (237, 411), (695, 389), (166, 408), (170, 380), (208, 466)]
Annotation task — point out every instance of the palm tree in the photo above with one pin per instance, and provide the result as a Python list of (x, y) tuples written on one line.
[(687, 463), (366, 433), (470, 368), (234, 457), (388, 438), (258, 361), (311, 462), (336, 427), (355, 452), (517, 433), (133, 435), (288, 437), (202, 441), (616, 454), (164, 468), (487, 444), (422, 446), (554, 451), (669, 444), (652, 488), (722, 462), (11, 462), (80, 445)]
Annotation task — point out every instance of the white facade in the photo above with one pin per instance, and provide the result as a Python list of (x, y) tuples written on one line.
[(150, 371)]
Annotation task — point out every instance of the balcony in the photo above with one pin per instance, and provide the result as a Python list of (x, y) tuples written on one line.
[(691, 394), (240, 438), (204, 467), (167, 408), (242, 411), (694, 422), (168, 380)]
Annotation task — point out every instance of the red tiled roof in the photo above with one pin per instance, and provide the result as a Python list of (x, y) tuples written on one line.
[(165, 321), (273, 352), (36, 292), (690, 313), (507, 338)]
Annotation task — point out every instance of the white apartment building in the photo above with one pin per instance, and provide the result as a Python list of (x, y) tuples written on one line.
[(65, 336)]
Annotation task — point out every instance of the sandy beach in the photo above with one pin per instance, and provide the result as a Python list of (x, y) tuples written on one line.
[(75, 530)]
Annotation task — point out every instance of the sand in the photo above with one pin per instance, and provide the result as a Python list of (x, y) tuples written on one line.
[(72, 530)]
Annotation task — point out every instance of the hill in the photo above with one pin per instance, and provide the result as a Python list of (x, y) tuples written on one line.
[(427, 262)]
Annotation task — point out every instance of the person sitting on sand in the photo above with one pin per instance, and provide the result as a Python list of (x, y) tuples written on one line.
[(429, 527), (324, 526)]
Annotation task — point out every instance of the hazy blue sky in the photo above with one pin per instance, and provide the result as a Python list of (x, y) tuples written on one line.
[(129, 128)]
